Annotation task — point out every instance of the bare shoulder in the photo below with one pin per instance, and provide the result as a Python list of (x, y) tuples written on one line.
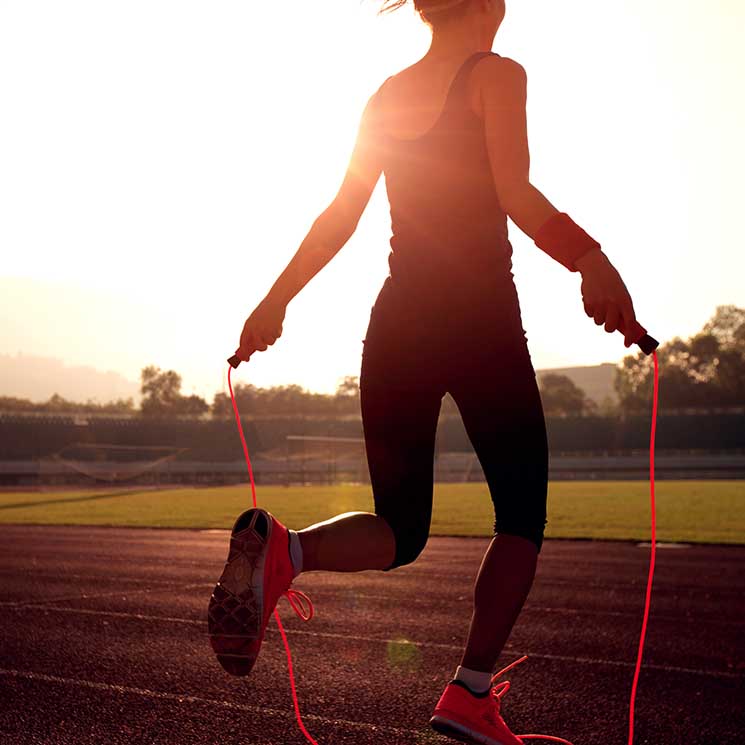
[(496, 66), (498, 77), (406, 80)]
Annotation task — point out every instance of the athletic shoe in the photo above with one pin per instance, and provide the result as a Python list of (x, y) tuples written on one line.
[(257, 572), (475, 718)]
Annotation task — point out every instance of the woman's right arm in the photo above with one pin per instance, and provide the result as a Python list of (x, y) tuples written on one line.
[(502, 85)]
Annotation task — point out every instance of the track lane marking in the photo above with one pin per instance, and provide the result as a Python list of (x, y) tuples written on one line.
[(377, 640), (186, 698), (540, 581), (88, 596), (697, 620)]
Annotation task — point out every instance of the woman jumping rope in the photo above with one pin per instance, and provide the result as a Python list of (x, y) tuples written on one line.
[(450, 134)]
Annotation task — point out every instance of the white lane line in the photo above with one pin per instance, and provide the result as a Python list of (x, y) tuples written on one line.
[(185, 698), (119, 614), (467, 580), (62, 576), (124, 592), (378, 640), (578, 612)]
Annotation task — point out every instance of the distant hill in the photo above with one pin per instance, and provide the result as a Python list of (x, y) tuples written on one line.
[(595, 380), (39, 378)]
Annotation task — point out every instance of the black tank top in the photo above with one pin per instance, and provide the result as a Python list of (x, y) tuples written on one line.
[(449, 244)]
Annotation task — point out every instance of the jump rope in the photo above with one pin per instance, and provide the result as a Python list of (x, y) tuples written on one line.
[(648, 345)]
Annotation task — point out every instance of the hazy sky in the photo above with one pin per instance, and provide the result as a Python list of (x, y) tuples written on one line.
[(161, 161)]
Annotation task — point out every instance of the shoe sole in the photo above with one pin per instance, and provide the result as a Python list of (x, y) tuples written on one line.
[(235, 610), (460, 732)]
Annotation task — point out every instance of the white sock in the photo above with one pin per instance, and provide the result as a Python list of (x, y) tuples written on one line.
[(296, 553), (477, 681)]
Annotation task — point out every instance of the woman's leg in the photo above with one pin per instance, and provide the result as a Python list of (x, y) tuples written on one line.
[(504, 420), (502, 585), (351, 542), (400, 405), (400, 427)]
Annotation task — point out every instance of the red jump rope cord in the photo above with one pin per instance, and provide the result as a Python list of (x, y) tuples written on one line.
[(276, 611), (651, 561), (649, 580)]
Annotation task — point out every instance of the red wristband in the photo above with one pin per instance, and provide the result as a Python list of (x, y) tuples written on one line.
[(563, 240)]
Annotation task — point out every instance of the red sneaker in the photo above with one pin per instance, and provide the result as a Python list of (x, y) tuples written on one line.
[(470, 718), (257, 572)]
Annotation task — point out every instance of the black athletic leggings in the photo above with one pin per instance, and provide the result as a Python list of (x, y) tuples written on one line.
[(411, 358)]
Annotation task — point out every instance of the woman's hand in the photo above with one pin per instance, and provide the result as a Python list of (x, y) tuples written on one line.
[(262, 328), (606, 298)]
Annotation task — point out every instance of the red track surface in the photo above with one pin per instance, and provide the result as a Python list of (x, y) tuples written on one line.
[(104, 640)]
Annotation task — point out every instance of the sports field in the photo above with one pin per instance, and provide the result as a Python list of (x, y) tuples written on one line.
[(687, 511)]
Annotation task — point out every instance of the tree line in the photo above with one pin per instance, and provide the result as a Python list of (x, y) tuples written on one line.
[(705, 371)]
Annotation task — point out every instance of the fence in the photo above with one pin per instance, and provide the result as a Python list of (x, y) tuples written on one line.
[(448, 467)]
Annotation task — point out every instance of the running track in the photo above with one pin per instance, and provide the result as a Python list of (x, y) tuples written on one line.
[(104, 641)]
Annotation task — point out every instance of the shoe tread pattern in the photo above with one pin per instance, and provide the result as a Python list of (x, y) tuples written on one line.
[(234, 613)]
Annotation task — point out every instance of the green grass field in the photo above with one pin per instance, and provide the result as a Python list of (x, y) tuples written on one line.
[(688, 511)]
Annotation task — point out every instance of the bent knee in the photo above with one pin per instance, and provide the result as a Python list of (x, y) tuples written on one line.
[(528, 521), (408, 547), (532, 533)]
